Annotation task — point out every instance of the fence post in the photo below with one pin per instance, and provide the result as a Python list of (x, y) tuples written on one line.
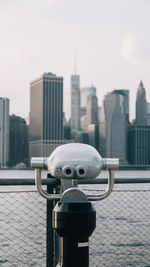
[(56, 237), (49, 229)]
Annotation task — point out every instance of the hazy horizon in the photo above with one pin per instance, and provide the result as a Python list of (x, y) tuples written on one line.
[(110, 40)]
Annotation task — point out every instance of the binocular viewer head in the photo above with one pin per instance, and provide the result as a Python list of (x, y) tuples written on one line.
[(75, 161)]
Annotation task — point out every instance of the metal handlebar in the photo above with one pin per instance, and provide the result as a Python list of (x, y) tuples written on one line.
[(108, 164), (107, 191), (40, 190)]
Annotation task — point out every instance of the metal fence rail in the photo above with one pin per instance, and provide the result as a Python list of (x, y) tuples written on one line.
[(121, 238)]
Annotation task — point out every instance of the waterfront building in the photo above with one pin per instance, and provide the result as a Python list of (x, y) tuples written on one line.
[(93, 131), (82, 137), (64, 119), (75, 103), (18, 145), (141, 105), (4, 132), (46, 114), (139, 144), (67, 132), (116, 108), (92, 107), (102, 131), (148, 113)]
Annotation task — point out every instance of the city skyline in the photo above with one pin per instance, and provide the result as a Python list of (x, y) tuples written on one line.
[(110, 40), (106, 128), (69, 117)]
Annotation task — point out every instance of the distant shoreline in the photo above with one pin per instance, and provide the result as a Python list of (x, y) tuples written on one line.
[(121, 168)]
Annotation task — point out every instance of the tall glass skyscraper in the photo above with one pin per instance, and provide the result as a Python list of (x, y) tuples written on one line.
[(141, 106), (46, 114), (92, 107), (139, 144), (18, 147), (4, 132), (75, 103), (116, 106)]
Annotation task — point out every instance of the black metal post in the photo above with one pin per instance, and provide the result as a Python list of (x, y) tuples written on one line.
[(56, 237), (49, 228), (74, 223)]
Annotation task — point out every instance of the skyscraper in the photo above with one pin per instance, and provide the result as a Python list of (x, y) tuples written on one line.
[(46, 114), (92, 107), (141, 106), (102, 131), (116, 105), (139, 144), (75, 103), (18, 140), (148, 113), (4, 132), (93, 130)]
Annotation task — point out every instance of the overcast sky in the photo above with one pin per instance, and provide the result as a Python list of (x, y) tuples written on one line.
[(111, 40)]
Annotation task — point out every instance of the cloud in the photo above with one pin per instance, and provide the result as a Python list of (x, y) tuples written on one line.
[(131, 49)]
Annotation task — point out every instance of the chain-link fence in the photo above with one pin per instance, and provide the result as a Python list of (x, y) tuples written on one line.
[(22, 229), (122, 235), (121, 238)]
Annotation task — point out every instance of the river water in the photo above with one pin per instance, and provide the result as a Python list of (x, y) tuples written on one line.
[(121, 238)]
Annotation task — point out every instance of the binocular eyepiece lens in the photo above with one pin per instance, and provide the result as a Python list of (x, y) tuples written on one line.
[(81, 171), (68, 171)]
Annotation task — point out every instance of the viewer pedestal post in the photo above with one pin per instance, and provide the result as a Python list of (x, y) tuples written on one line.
[(74, 223)]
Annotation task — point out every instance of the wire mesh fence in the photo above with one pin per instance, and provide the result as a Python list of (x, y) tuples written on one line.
[(121, 238), (122, 235), (22, 229)]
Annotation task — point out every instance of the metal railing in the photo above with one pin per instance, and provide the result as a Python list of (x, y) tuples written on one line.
[(121, 238)]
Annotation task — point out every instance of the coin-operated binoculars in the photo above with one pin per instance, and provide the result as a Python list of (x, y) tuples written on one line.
[(74, 218)]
